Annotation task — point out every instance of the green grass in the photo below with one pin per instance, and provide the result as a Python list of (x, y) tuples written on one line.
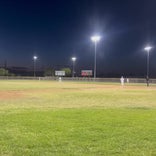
[(44, 118)]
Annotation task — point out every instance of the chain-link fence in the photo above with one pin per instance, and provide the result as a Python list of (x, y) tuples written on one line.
[(109, 80)]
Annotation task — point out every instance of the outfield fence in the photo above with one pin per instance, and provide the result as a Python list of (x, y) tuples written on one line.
[(115, 80)]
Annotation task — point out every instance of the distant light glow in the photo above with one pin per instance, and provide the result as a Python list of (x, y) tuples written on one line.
[(148, 48), (95, 38), (35, 57), (73, 59)]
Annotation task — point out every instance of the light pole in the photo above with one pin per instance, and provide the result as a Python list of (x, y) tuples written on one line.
[(34, 59), (73, 59), (95, 39), (148, 48)]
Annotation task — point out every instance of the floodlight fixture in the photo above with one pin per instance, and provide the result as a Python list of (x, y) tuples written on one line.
[(148, 48), (35, 57), (73, 59), (95, 38)]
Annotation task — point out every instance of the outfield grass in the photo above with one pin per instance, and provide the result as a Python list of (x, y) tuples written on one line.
[(45, 118)]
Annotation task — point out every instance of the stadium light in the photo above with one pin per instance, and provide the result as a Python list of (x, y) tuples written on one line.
[(148, 48), (73, 60), (95, 39), (34, 59)]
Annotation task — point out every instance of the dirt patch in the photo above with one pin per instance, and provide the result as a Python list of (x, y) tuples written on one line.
[(119, 87), (8, 95)]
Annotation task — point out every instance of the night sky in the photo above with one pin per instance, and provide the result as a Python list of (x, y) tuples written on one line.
[(56, 30)]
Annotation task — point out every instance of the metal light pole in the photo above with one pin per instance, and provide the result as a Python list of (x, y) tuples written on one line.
[(95, 39), (148, 48), (35, 58), (73, 59)]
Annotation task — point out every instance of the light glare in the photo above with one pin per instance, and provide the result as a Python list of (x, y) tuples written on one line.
[(95, 38), (73, 58), (35, 57), (148, 48)]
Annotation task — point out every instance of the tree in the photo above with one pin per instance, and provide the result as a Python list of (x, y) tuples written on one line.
[(49, 72), (67, 71), (4, 72)]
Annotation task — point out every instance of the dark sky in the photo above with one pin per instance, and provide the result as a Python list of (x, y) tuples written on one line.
[(56, 30)]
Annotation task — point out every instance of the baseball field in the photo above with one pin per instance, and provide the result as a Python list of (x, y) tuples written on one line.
[(50, 118)]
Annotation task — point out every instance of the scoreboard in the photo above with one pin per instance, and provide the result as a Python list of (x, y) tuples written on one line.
[(59, 73), (86, 73)]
